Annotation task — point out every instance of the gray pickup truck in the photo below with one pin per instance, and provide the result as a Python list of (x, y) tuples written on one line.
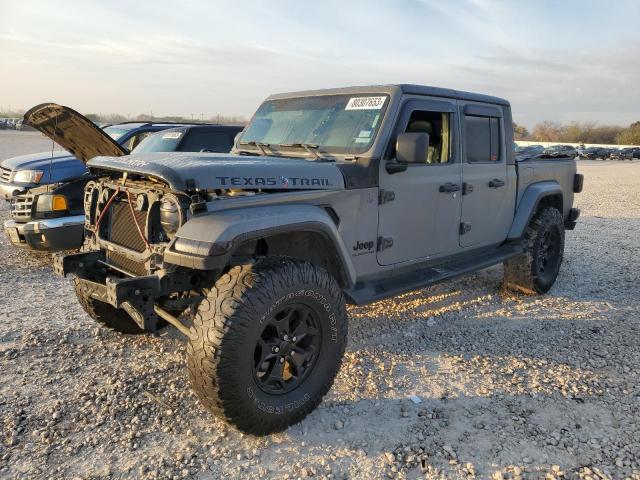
[(329, 197)]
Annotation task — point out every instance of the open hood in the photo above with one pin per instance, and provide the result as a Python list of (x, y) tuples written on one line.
[(207, 171), (73, 131)]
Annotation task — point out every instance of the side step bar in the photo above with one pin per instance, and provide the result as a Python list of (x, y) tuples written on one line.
[(368, 292)]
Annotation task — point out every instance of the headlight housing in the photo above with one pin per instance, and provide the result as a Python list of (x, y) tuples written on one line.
[(172, 214), (51, 203), (28, 176)]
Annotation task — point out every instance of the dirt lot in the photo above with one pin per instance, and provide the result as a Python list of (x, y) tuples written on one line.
[(510, 386)]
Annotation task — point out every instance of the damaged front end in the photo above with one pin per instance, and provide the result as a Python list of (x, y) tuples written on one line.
[(129, 224)]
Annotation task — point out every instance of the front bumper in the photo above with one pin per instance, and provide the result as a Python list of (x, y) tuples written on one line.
[(8, 190), (136, 295), (49, 235)]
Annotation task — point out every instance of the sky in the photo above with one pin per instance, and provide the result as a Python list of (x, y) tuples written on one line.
[(554, 60)]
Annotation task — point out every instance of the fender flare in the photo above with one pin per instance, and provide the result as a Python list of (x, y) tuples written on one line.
[(528, 205), (207, 241)]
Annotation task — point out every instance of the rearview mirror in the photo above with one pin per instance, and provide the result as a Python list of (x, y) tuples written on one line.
[(412, 147)]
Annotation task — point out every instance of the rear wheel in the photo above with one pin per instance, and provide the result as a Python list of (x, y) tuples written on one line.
[(266, 343), (536, 270), (101, 312)]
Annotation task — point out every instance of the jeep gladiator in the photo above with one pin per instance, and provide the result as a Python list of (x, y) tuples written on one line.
[(329, 197)]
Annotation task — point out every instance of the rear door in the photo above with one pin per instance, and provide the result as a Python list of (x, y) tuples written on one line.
[(418, 219), (488, 200)]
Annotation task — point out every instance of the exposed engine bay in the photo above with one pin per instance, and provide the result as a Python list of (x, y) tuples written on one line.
[(134, 219)]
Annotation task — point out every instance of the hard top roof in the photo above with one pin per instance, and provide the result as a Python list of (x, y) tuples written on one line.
[(397, 89), (199, 126)]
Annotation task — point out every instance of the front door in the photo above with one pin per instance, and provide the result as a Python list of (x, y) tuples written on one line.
[(488, 203), (419, 209)]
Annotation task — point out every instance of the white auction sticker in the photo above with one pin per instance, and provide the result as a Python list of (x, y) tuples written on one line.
[(172, 135), (365, 103)]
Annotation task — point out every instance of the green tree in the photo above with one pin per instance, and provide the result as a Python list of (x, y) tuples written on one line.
[(630, 136)]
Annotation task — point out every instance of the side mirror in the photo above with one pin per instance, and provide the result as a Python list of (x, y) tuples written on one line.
[(412, 147)]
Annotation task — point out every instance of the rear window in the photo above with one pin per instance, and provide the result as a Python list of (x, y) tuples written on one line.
[(164, 141), (482, 136)]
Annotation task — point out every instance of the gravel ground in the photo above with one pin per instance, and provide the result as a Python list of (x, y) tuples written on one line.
[(508, 386)]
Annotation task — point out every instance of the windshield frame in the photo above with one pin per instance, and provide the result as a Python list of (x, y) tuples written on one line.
[(295, 151)]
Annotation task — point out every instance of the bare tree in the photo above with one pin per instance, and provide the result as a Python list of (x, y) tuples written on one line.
[(520, 132), (547, 132)]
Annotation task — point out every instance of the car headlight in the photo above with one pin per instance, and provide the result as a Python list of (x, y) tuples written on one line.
[(28, 176), (172, 215), (52, 203)]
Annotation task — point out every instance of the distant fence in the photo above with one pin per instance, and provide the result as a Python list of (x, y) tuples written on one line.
[(523, 143)]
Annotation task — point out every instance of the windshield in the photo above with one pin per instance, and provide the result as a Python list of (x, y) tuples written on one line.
[(166, 141), (343, 124), (118, 131)]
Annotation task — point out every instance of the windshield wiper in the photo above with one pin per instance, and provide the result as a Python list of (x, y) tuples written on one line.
[(309, 147), (259, 145)]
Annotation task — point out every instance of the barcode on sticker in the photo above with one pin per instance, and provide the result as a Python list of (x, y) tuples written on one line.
[(365, 103)]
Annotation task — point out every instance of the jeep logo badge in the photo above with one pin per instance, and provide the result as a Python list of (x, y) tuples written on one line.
[(362, 246)]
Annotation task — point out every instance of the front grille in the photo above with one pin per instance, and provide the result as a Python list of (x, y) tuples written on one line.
[(5, 174), (21, 208), (126, 264), (122, 228)]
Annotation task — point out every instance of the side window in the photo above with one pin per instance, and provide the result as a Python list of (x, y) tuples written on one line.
[(482, 138), (437, 125), (198, 140), (133, 142)]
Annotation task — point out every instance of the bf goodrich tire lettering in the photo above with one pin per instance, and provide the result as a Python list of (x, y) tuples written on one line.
[(231, 321)]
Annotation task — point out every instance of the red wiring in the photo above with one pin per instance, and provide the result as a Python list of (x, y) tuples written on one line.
[(104, 210), (135, 220)]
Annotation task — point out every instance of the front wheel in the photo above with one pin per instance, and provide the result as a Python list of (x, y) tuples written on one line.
[(267, 343), (536, 270)]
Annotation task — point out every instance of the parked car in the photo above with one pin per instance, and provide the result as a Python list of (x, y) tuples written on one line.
[(560, 151), (624, 154), (50, 217), (8, 123), (529, 151), (332, 196), (24, 172), (589, 153)]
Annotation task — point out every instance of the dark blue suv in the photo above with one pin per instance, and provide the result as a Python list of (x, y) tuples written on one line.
[(21, 173), (47, 214)]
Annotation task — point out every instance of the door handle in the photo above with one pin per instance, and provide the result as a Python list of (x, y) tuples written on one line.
[(496, 183), (449, 187)]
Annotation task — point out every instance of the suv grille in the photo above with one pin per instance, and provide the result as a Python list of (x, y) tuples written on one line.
[(21, 208), (123, 230), (126, 264), (5, 174)]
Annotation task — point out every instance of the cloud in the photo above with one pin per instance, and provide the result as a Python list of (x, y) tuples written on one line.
[(220, 57)]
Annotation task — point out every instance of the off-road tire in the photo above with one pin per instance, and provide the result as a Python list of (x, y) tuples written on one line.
[(109, 316), (230, 321), (527, 273)]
